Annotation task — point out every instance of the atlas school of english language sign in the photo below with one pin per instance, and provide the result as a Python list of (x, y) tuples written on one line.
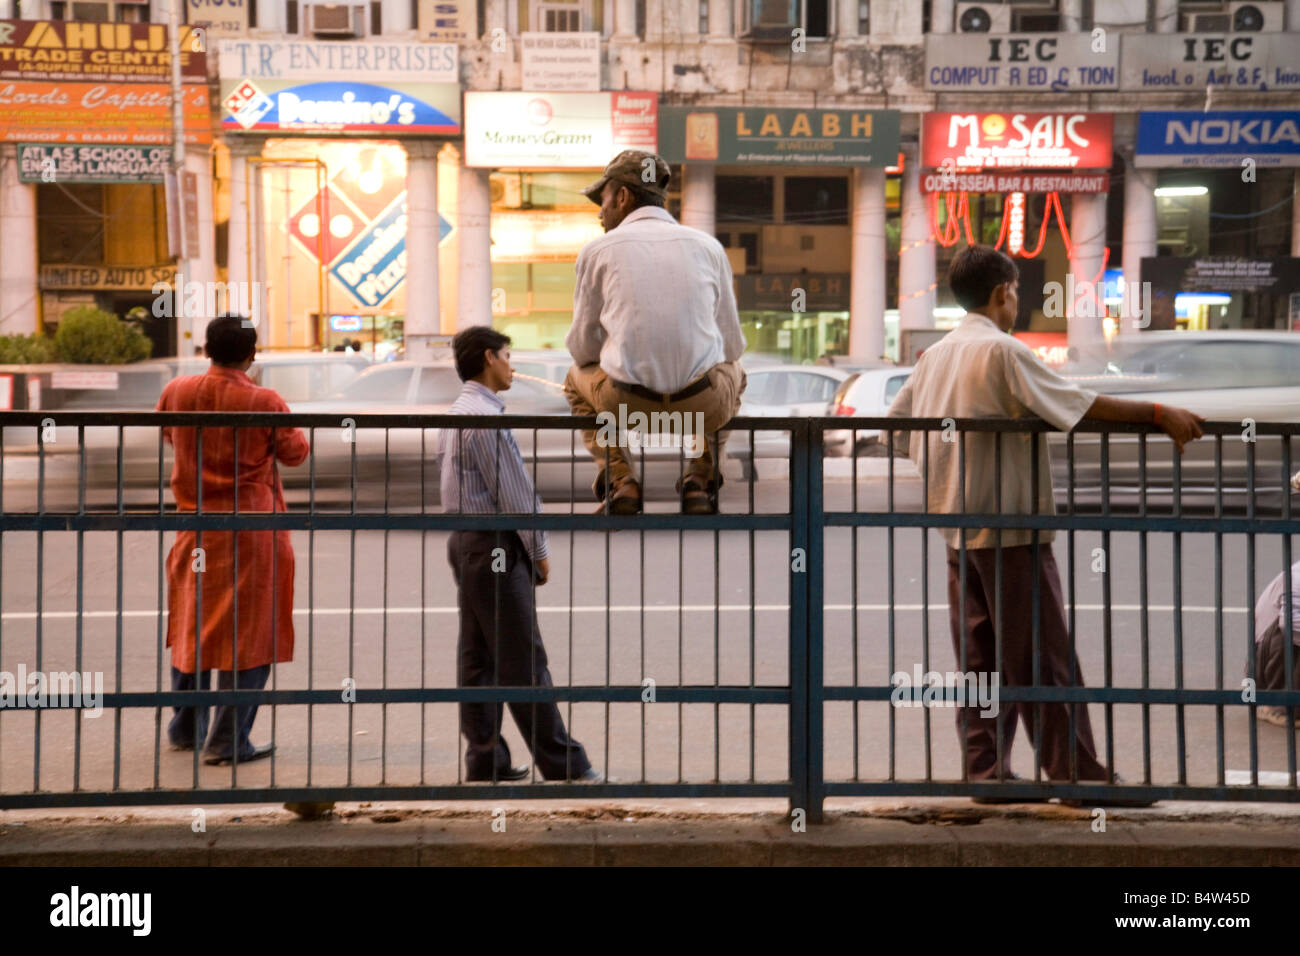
[(293, 86)]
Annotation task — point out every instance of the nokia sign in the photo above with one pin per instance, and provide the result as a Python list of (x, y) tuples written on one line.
[(1219, 138)]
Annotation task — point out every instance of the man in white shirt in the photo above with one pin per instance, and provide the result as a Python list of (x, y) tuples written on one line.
[(1271, 613), (655, 331), (979, 371)]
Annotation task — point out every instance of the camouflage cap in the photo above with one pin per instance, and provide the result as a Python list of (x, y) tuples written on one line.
[(633, 167)]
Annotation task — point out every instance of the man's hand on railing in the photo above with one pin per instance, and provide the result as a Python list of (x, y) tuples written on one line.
[(1178, 423), (542, 568)]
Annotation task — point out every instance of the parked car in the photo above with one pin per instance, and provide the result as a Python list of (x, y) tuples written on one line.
[(865, 394), (781, 391)]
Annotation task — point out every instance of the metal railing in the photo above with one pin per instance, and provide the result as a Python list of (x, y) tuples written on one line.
[(745, 697)]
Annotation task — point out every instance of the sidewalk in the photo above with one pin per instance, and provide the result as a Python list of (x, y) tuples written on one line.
[(878, 832)]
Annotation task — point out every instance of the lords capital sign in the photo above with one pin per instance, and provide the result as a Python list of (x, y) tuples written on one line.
[(971, 141)]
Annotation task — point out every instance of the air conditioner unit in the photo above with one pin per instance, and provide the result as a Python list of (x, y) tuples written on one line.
[(1257, 17), (334, 20), (983, 18)]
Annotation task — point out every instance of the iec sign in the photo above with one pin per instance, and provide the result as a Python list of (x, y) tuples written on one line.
[(804, 137), (966, 141), (1022, 63)]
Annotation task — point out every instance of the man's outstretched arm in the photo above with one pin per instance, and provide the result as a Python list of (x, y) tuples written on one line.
[(1178, 423)]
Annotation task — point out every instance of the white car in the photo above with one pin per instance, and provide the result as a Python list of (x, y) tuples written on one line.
[(781, 391), (865, 394)]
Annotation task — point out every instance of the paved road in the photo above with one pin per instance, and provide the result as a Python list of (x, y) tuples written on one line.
[(694, 608)]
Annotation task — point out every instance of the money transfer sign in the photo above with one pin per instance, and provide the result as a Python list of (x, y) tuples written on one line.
[(92, 164), (964, 141), (95, 52), (556, 130), (1193, 61), (1218, 138), (1030, 62), (804, 137)]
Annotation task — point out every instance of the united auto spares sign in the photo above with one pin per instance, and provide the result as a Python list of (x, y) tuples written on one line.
[(1016, 140), (1219, 138)]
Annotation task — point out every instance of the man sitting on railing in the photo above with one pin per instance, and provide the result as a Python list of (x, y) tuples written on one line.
[(259, 594), (979, 371), (1270, 642)]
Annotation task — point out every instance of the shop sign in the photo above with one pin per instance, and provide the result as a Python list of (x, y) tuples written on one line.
[(542, 236), (84, 380), (798, 137), (1193, 61), (557, 130), (446, 20), (1021, 63), (1226, 274), (92, 164), (824, 292), (1016, 140), (943, 181), (1219, 138), (294, 86), (122, 113), (68, 278), (96, 52), (374, 265), (558, 62), (221, 18)]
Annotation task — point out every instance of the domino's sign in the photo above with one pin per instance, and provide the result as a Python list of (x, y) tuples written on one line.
[(1218, 138), (373, 267)]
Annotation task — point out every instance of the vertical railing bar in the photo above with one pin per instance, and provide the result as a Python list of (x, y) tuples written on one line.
[(1144, 600), (1219, 744), (424, 603), (1000, 719), (1250, 612), (963, 713), (1288, 656), (814, 603), (1180, 722), (234, 613), (199, 683), (383, 638), (117, 663), (40, 589), (275, 604), (1036, 609), (311, 591), (1072, 623), (158, 626), (1106, 619), (81, 567)]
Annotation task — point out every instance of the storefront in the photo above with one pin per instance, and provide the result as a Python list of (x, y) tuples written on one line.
[(1026, 183), (542, 150), (1223, 185), (787, 193), (97, 149), (331, 178)]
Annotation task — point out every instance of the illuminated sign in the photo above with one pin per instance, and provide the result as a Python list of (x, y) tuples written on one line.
[(345, 323), (970, 141), (947, 181), (1218, 138), (557, 130), (805, 137), (96, 52), (1015, 223), (542, 236)]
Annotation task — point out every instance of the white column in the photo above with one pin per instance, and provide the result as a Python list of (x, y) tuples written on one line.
[(396, 16), (423, 315), (240, 241), (625, 18), (1139, 239), (941, 16), (867, 298), (1071, 15), (846, 13), (699, 197), (19, 294), (203, 268), (1295, 214), (1088, 234), (721, 13), (916, 259), (474, 227), (1292, 17), (495, 17), (1166, 14)]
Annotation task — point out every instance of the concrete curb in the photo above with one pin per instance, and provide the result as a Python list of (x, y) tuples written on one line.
[(932, 833)]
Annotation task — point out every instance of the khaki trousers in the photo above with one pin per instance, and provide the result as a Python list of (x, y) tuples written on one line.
[(590, 392)]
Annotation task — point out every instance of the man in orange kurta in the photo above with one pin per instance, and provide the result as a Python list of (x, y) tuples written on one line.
[(236, 595)]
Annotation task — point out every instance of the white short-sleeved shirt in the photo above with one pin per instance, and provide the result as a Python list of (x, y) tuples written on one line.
[(979, 371), (1270, 609)]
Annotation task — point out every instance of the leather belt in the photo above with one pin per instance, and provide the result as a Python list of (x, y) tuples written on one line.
[(697, 386)]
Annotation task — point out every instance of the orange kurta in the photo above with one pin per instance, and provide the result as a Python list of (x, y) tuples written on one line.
[(262, 596)]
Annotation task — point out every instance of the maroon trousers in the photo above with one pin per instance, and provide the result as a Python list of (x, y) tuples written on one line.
[(1056, 663)]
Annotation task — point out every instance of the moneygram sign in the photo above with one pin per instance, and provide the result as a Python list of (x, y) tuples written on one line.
[(1048, 141), (557, 130), (295, 87), (1218, 138)]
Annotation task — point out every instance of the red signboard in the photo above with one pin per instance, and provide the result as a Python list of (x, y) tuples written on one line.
[(971, 141), (979, 181)]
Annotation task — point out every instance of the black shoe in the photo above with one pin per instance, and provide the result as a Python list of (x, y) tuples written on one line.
[(1130, 802), (257, 753), (590, 775), (509, 773), (998, 801), (699, 497)]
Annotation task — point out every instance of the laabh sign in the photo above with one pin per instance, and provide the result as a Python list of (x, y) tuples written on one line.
[(1219, 138)]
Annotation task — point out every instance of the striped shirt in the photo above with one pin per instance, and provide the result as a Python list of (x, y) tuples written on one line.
[(483, 472)]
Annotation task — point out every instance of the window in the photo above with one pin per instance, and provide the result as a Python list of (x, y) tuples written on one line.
[(763, 388), (864, 17), (817, 200), (559, 16), (745, 198), (804, 388), (100, 11), (704, 17), (775, 19), (893, 386)]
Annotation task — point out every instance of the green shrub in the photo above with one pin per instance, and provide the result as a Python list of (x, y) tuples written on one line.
[(91, 336), (26, 349)]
